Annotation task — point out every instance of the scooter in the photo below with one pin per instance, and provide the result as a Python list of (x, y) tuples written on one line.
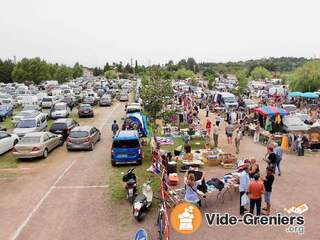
[(131, 184), (143, 201), (141, 234)]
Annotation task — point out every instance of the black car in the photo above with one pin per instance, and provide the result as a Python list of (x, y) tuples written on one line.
[(70, 101), (63, 126), (85, 110)]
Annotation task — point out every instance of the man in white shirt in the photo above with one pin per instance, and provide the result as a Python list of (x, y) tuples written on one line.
[(244, 181)]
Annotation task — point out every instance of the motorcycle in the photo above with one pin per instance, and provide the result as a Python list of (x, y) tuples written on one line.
[(141, 234), (143, 201), (130, 180)]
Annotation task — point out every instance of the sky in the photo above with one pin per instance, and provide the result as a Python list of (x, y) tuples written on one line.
[(156, 31)]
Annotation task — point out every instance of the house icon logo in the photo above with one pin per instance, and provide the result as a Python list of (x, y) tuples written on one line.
[(185, 218)]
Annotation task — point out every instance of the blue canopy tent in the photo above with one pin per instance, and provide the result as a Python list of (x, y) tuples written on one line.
[(139, 121), (295, 94), (310, 95), (271, 111)]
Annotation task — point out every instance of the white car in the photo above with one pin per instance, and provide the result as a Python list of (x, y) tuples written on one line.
[(7, 141)]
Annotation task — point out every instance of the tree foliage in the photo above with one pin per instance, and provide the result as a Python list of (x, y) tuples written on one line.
[(6, 68), (183, 74), (260, 73), (306, 78), (111, 74), (155, 93), (77, 70)]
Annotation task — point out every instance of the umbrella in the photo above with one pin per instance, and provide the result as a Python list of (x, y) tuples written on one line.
[(295, 94), (310, 95)]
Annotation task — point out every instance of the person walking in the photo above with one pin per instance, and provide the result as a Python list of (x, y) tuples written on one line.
[(278, 151), (216, 131), (267, 182), (256, 136), (255, 190), (207, 111), (218, 119), (237, 140), (114, 127), (244, 181), (208, 126), (229, 132)]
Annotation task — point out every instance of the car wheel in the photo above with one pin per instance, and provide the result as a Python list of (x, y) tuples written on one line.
[(113, 163), (45, 153), (15, 142), (91, 147), (99, 139)]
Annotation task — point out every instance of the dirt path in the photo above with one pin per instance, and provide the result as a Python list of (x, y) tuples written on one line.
[(64, 196)]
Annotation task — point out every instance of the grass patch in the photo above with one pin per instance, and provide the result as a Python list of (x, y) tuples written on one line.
[(8, 161), (118, 192), (194, 143)]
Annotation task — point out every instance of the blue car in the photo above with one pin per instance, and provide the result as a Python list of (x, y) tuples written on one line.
[(126, 148), (5, 111)]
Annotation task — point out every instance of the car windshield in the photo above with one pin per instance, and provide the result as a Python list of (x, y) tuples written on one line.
[(59, 126), (3, 108), (29, 107), (30, 139), (79, 134), (229, 99), (27, 124), (46, 99), (59, 107), (85, 107), (23, 114), (126, 144)]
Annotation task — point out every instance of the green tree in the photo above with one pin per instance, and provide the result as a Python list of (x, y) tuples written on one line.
[(77, 70), (182, 63), (192, 65), (97, 71), (106, 67), (260, 73), (306, 78), (242, 77), (31, 70), (6, 68), (184, 73), (155, 93), (63, 73), (111, 74)]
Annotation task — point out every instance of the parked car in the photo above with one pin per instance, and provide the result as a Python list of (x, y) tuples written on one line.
[(30, 107), (37, 144), (59, 110), (105, 100), (49, 101), (5, 111), (63, 126), (31, 124), (85, 110), (90, 100), (83, 137), (24, 114), (7, 141), (126, 148), (124, 97), (70, 101), (248, 104)]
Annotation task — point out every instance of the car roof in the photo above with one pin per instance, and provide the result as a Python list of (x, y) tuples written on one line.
[(127, 135), (35, 134), (82, 128), (63, 120)]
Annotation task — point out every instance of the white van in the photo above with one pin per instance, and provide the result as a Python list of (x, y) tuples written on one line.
[(36, 123), (227, 100), (49, 101), (59, 110)]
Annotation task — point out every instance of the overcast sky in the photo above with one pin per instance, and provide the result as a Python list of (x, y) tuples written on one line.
[(155, 31)]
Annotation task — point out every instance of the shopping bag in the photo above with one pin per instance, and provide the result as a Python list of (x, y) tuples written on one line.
[(244, 200)]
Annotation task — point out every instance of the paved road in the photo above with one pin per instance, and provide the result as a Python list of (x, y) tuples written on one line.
[(65, 195)]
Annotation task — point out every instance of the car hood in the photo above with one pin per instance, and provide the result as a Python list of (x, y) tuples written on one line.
[(22, 130)]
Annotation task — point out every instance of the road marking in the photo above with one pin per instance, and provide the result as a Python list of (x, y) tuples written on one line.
[(36, 208), (81, 187)]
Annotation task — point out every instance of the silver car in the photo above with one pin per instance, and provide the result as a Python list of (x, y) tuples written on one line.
[(83, 137), (37, 144)]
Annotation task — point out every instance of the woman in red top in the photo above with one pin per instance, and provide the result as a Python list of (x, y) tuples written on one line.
[(208, 126)]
